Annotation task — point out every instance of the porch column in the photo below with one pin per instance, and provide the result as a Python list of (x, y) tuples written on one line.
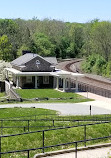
[(36, 82), (6, 74), (69, 83), (54, 82), (57, 83), (17, 81), (76, 84), (64, 84)]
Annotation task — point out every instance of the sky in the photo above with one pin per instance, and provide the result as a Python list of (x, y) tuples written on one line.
[(80, 11)]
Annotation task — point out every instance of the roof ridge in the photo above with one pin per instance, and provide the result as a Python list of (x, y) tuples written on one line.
[(23, 60)]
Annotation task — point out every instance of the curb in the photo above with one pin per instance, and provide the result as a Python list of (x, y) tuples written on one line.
[(71, 150)]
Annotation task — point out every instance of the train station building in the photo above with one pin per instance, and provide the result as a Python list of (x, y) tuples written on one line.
[(32, 71)]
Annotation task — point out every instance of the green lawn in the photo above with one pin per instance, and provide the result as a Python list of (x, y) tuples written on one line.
[(54, 137), (42, 93), (50, 94)]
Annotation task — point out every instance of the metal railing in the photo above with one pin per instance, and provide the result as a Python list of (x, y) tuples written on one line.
[(53, 122), (94, 89), (31, 116), (91, 88), (43, 147), (55, 116)]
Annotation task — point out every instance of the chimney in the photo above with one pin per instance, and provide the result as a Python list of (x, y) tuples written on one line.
[(25, 52)]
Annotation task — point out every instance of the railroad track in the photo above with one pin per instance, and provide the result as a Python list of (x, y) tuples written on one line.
[(92, 83), (75, 68)]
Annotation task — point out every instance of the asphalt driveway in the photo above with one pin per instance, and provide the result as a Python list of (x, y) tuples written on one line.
[(65, 108)]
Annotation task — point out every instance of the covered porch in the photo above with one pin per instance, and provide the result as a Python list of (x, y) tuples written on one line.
[(67, 81), (59, 80)]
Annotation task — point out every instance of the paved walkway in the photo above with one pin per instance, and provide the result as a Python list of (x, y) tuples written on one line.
[(93, 153), (65, 109)]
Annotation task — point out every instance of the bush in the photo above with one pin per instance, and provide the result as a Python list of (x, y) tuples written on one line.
[(96, 64)]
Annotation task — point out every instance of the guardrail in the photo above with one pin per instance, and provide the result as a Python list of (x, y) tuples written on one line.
[(43, 147)]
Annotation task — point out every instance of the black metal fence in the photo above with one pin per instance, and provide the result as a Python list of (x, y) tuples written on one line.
[(44, 143), (26, 124), (56, 116), (32, 116)]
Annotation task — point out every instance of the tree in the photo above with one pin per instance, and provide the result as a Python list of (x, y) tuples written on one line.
[(11, 29), (64, 45), (23, 47), (99, 65), (42, 45), (108, 70), (95, 64), (98, 39), (76, 35), (5, 48), (101, 35), (3, 65)]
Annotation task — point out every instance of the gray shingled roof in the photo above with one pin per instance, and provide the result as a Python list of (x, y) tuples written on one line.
[(20, 61), (51, 60), (23, 59)]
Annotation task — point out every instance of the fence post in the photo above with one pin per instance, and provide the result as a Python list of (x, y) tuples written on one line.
[(78, 122), (0, 146), (28, 125), (75, 149), (90, 110), (1, 127), (28, 154), (53, 123), (43, 143), (85, 135), (24, 129)]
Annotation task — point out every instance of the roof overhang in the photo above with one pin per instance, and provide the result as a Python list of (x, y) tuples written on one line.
[(66, 74), (57, 73)]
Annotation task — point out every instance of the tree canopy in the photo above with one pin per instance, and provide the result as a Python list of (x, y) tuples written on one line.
[(57, 38)]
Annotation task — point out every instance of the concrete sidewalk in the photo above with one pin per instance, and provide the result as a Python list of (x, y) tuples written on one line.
[(100, 101), (88, 152)]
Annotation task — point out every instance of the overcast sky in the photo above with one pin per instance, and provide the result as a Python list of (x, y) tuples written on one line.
[(65, 10)]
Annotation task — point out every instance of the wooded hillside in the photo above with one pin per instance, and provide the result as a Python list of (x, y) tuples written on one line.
[(57, 38)]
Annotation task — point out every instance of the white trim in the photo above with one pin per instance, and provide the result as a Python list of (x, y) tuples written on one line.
[(57, 73)]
